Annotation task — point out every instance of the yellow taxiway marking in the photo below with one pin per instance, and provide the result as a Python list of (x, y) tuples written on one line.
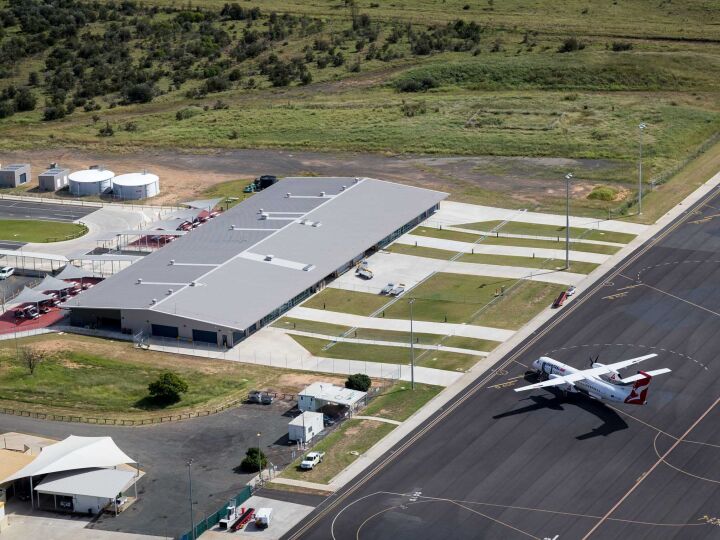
[(704, 220), (615, 296)]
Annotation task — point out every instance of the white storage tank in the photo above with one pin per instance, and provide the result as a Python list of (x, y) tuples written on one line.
[(92, 181), (135, 186)]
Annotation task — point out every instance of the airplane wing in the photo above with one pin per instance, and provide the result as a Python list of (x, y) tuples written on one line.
[(639, 376), (584, 374)]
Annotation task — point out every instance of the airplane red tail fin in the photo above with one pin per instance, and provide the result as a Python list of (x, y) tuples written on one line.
[(639, 391)]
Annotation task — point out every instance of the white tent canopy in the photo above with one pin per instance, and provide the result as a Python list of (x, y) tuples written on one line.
[(28, 295), (105, 483), (74, 453), (74, 272), (50, 283)]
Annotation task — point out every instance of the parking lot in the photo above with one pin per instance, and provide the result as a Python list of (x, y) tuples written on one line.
[(216, 444), (14, 209), (11, 286)]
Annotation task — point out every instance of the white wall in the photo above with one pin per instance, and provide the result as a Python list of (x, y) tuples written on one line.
[(82, 503), (305, 433)]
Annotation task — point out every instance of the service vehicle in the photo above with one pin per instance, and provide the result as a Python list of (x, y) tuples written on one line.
[(571, 290), (262, 517), (398, 289), (312, 459), (387, 288)]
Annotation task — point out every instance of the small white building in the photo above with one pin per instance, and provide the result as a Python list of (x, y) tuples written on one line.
[(93, 181), (305, 427), (319, 394), (135, 186)]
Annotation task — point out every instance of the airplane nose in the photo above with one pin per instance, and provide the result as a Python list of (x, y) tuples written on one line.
[(536, 364)]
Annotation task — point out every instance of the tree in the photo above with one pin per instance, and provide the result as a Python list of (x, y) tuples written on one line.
[(107, 130), (167, 388), (255, 460), (571, 44), (139, 93), (359, 381), (31, 358), (25, 100)]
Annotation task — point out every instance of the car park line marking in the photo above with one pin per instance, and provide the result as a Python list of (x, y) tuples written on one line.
[(649, 471), (472, 389)]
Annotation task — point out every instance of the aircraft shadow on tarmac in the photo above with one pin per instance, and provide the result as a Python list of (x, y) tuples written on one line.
[(611, 421)]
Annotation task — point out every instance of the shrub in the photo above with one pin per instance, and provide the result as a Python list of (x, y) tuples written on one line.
[(602, 193), (54, 112), (254, 461), (139, 93), (413, 108), (187, 112), (571, 44), (420, 84), (25, 100), (167, 388), (359, 381), (106, 131), (619, 46)]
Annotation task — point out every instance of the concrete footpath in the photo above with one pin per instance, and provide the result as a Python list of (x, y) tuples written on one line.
[(367, 459)]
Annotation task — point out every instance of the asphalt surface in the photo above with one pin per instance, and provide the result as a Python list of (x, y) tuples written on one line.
[(8, 244), (217, 444), (496, 464), (12, 209)]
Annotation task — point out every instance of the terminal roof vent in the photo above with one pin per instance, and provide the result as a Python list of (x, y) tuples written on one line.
[(322, 193), (308, 267), (193, 283), (169, 292), (172, 261), (261, 211), (357, 179), (287, 195), (264, 215), (303, 221), (232, 227), (317, 224), (343, 188), (269, 257), (154, 301), (139, 281)]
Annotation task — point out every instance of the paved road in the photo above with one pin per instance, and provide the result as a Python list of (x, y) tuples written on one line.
[(500, 465), (12, 209), (8, 244)]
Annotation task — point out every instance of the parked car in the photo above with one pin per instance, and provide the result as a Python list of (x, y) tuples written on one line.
[(256, 396), (328, 420), (398, 289), (560, 300), (387, 288), (28, 312), (312, 459), (6, 272), (266, 399), (571, 290)]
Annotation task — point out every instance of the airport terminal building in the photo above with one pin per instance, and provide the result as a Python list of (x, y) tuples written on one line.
[(241, 270)]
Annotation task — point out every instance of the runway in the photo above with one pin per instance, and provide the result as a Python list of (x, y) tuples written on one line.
[(13, 209), (496, 464)]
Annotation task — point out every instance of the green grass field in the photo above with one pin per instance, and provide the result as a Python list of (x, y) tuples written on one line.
[(499, 260), (399, 401), (94, 377), (535, 229), (505, 241), (357, 303), (387, 354), (25, 230)]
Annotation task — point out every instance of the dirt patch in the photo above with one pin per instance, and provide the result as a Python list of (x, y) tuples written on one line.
[(186, 175), (294, 382)]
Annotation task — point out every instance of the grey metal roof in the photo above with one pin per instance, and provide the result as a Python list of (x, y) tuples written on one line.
[(218, 272), (103, 483)]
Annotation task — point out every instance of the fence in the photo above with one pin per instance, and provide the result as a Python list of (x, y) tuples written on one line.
[(210, 521), (81, 202), (26, 333)]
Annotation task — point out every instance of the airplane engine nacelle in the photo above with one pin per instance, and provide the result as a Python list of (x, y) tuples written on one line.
[(564, 387)]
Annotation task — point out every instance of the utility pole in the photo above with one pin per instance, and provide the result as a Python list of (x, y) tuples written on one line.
[(260, 457), (412, 347), (192, 521), (568, 176), (641, 127)]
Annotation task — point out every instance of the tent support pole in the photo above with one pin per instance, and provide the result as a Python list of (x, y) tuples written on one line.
[(32, 495)]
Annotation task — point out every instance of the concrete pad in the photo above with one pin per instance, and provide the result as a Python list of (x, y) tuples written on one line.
[(285, 515), (457, 213), (402, 325), (518, 251), (409, 269)]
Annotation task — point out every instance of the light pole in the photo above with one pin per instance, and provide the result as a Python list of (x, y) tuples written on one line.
[(412, 347), (259, 457), (641, 128), (192, 521), (568, 176)]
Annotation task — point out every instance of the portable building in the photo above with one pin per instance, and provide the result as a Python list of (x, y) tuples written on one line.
[(319, 394), (14, 175), (54, 178), (305, 427)]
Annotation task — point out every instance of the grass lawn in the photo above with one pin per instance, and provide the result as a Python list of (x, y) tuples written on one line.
[(95, 377), (499, 260), (452, 298), (27, 230), (521, 242), (356, 303), (232, 189), (520, 305), (536, 229), (399, 401), (387, 354), (352, 436), (385, 335)]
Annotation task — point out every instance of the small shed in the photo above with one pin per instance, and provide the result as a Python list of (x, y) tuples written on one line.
[(303, 428), (54, 178), (14, 175), (319, 394)]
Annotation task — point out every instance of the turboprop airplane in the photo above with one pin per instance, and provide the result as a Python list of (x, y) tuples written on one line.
[(601, 382)]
